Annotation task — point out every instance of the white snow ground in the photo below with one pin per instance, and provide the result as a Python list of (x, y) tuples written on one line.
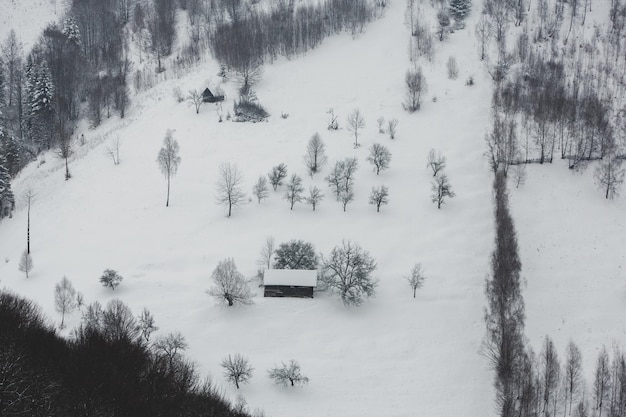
[(395, 355)]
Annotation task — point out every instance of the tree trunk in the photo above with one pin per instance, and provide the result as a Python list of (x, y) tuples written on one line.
[(167, 202), (28, 230)]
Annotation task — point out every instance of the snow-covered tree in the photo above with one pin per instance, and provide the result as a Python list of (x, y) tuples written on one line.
[(26, 263), (379, 196), (7, 199), (348, 270), (610, 175), (459, 9), (314, 197), (295, 254), (315, 156), (294, 191), (288, 374), (260, 189), (230, 286), (64, 299), (110, 278), (71, 31), (10, 148), (169, 160), (379, 157)]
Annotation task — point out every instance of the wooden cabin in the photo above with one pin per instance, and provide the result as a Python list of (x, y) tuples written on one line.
[(208, 97), (297, 283)]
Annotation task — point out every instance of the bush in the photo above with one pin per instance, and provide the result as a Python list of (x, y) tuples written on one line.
[(110, 278), (249, 111)]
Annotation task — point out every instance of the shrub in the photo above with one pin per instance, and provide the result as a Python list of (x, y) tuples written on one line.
[(110, 278)]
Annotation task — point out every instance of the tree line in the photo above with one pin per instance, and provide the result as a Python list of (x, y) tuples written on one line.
[(108, 367)]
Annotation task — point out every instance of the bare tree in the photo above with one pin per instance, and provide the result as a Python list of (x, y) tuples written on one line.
[(356, 122), (169, 160), (294, 191), (113, 150), (602, 381), (230, 285), (260, 189), (443, 18), (573, 382), (28, 197), (416, 278), (346, 196), (441, 189), (26, 263), (416, 88), (315, 196), (436, 161), (379, 196), (333, 124), (267, 252), (381, 123), (146, 325), (379, 156), (348, 270), (610, 175), (288, 374), (195, 98), (66, 148), (229, 186), (168, 346), (550, 377), (392, 126), (64, 299), (483, 33), (315, 156), (237, 369), (277, 175)]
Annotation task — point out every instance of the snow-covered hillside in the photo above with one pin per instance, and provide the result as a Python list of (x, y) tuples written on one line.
[(395, 355), (29, 18)]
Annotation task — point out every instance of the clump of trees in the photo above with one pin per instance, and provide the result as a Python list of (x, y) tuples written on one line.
[(341, 180)]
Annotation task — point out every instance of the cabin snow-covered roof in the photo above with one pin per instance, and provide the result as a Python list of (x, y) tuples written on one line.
[(291, 277)]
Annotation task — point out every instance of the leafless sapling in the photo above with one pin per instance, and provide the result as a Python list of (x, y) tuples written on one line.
[(602, 381), (573, 378), (379, 196), (436, 161), (610, 175), (416, 88), (315, 156), (237, 369), (196, 99), (381, 124), (288, 374), (230, 286), (392, 127), (416, 278), (348, 270), (26, 263), (379, 157), (229, 187), (147, 325), (333, 124), (113, 150), (550, 377), (356, 122), (169, 160), (260, 189), (110, 278), (519, 174), (64, 299), (294, 191), (441, 189), (169, 346), (267, 252), (277, 175), (314, 197), (66, 147)]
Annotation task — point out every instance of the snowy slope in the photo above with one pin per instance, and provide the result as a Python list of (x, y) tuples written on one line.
[(28, 18)]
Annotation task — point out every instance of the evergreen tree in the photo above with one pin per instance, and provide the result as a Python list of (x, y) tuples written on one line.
[(459, 9), (71, 31), (9, 148), (7, 199), (40, 94)]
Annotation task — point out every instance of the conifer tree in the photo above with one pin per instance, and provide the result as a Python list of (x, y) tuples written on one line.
[(459, 9), (7, 199)]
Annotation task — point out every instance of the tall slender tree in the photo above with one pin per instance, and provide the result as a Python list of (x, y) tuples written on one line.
[(169, 160)]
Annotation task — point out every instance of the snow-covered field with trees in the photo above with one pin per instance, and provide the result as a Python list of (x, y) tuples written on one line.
[(394, 355)]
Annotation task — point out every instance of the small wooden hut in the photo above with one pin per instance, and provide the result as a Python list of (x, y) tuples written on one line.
[(289, 283)]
